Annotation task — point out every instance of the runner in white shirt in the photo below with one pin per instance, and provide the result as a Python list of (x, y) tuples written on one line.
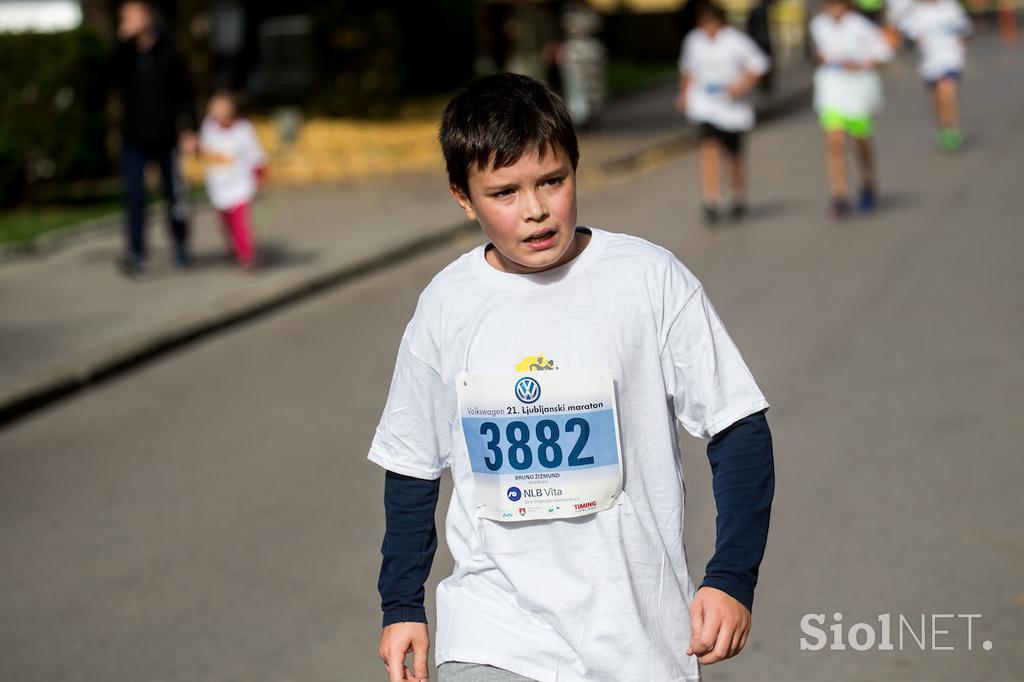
[(718, 68), (548, 370), (896, 10), (847, 93), (939, 28), (234, 165)]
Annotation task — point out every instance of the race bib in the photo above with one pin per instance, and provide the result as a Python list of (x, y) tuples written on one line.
[(542, 445)]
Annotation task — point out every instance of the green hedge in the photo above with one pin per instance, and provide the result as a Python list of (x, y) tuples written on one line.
[(52, 102)]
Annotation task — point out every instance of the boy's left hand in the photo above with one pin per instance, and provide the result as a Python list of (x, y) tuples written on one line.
[(736, 89), (719, 626)]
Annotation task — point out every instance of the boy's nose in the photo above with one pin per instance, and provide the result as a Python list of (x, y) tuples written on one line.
[(534, 210)]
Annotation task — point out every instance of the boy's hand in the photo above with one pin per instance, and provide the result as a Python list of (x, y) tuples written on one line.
[(259, 173), (737, 89), (396, 641), (742, 85), (719, 625)]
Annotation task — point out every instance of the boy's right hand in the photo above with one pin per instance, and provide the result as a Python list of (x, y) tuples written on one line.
[(396, 641)]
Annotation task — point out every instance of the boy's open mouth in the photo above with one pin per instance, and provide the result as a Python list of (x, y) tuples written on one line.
[(543, 236)]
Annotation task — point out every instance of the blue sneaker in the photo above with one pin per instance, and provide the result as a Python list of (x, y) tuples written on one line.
[(866, 201)]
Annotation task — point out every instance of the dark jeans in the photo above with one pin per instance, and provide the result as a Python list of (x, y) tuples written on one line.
[(133, 167)]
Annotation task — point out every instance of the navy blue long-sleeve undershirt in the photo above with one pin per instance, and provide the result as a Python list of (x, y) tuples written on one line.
[(410, 540), (743, 479)]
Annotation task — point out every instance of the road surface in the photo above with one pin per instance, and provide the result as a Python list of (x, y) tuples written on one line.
[(211, 515)]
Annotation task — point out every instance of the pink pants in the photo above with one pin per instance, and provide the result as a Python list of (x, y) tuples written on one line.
[(236, 227)]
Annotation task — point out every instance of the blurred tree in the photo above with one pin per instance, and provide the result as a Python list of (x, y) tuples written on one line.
[(52, 125)]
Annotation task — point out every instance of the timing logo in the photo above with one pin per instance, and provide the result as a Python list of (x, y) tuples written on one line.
[(514, 494), (527, 390)]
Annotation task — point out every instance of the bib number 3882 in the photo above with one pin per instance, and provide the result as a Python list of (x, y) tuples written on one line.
[(519, 444), (541, 445)]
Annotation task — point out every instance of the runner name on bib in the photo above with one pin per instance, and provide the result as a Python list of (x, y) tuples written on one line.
[(542, 445)]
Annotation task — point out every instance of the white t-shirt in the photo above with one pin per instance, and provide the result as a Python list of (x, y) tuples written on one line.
[(896, 10), (602, 597), (230, 155), (712, 65), (853, 38), (938, 27)]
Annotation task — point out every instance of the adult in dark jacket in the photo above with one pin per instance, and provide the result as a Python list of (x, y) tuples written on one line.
[(158, 119)]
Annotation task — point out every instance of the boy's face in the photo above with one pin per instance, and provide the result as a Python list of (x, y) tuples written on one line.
[(527, 210), (222, 110), (710, 24), (836, 8)]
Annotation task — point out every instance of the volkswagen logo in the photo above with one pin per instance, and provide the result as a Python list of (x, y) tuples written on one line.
[(528, 390)]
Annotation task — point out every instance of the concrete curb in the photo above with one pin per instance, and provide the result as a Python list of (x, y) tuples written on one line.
[(63, 379), (48, 242), (51, 241), (67, 377)]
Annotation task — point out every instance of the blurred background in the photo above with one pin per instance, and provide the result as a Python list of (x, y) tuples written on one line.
[(337, 90), (183, 487)]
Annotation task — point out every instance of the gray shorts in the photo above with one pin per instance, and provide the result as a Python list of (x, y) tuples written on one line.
[(475, 672)]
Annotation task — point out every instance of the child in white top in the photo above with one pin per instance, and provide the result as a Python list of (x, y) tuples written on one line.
[(718, 67), (847, 92), (235, 166), (548, 370), (939, 28)]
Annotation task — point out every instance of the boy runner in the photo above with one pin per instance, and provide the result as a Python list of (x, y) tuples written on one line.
[(939, 28), (847, 92), (566, 518), (718, 67)]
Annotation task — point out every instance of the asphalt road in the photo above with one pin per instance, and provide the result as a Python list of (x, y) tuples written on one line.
[(211, 516)]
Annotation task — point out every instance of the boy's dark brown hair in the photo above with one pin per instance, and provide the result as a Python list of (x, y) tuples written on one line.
[(711, 11), (496, 119)]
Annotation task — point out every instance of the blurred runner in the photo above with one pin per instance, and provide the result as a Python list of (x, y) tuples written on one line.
[(847, 93), (895, 12), (939, 29), (582, 62), (234, 165), (156, 93), (718, 67)]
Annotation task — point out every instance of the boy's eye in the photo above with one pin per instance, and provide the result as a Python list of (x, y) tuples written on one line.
[(502, 193), (551, 182)]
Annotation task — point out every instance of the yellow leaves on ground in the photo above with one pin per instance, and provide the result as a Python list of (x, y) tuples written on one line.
[(342, 150)]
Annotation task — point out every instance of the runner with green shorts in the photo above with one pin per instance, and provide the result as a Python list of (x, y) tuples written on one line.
[(847, 92)]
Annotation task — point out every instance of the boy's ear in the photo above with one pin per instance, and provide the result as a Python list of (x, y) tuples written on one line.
[(462, 200)]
